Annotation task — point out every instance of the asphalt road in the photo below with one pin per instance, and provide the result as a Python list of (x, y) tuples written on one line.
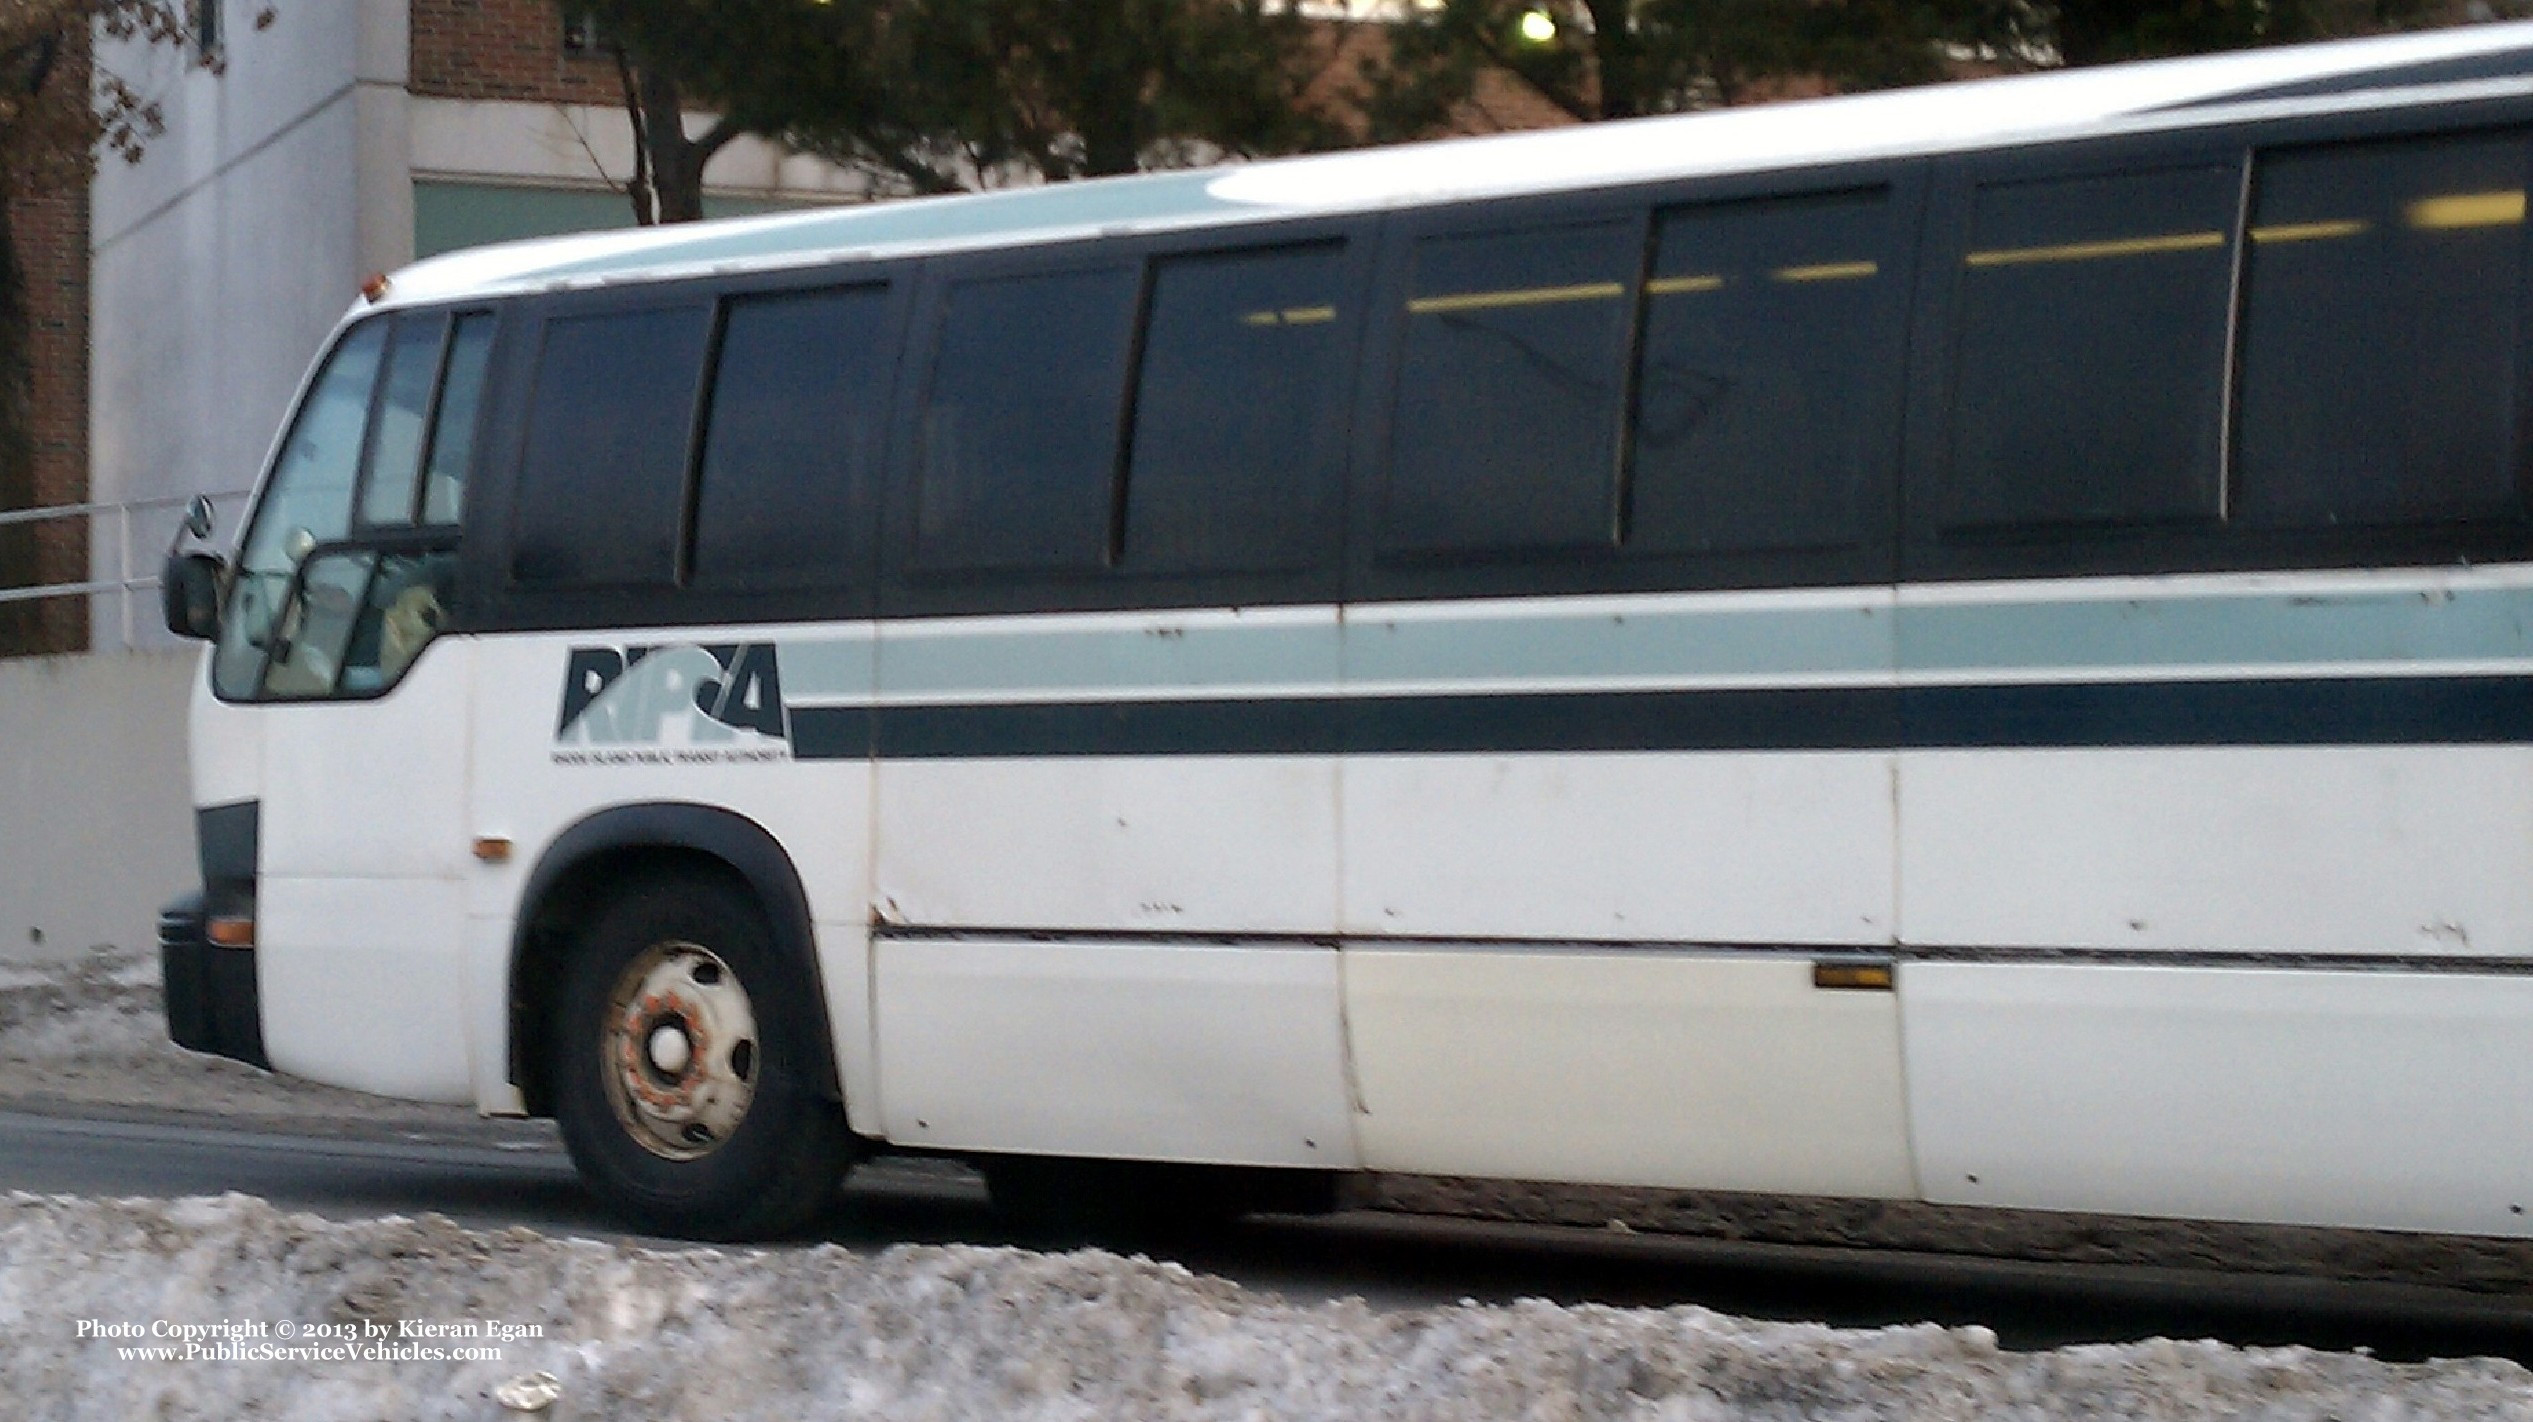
[(1392, 1260)]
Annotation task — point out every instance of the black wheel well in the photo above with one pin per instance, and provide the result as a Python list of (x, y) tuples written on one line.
[(631, 842), (547, 936)]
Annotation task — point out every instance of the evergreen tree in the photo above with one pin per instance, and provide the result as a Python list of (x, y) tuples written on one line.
[(1600, 59), (939, 95)]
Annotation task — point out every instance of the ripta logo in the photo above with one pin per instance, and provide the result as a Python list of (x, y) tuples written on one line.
[(673, 696)]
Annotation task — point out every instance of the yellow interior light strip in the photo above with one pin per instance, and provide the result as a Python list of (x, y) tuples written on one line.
[(2095, 251), (1290, 316), (2438, 214), (1521, 296), (2309, 231), (1827, 271), (1817, 271)]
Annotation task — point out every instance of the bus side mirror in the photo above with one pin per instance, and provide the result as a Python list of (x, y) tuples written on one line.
[(190, 592)]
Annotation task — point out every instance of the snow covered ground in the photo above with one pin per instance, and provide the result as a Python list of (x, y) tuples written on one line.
[(90, 1031), (922, 1332), (961, 1332)]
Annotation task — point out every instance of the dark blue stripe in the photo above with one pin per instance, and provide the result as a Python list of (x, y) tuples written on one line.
[(1828, 718), (2346, 711), (830, 732), (2365, 711)]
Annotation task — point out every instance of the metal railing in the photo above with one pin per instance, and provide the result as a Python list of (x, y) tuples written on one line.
[(126, 582)]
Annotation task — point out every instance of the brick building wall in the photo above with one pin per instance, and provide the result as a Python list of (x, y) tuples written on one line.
[(52, 240), (51, 235), (504, 49)]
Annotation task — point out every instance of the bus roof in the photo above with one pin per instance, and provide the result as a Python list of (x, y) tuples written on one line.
[(1899, 123)]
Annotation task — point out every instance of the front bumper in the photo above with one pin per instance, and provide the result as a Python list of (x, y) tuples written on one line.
[(211, 998)]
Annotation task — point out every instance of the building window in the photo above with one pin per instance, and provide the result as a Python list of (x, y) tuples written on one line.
[(582, 37), (202, 24)]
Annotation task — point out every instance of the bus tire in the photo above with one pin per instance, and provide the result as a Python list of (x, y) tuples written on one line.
[(687, 1094)]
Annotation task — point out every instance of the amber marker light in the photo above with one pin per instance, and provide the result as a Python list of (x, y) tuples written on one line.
[(230, 932), (375, 289), (492, 849), (1853, 977)]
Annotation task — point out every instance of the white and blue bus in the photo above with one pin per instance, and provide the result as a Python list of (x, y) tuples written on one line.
[(1969, 645)]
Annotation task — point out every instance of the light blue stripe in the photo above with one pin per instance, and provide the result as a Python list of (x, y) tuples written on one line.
[(838, 668), (2266, 628), (1250, 657), (1538, 643), (2278, 629)]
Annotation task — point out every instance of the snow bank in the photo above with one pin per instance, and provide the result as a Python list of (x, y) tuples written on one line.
[(99, 1004), (919, 1332), (89, 1030)]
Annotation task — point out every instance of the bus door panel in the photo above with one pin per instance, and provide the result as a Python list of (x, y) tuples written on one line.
[(1680, 768), (361, 900), (1171, 845), (2369, 850), (2367, 1099), (1567, 807), (1223, 1053), (1751, 1071), (1781, 848), (2181, 980), (1165, 776), (1160, 772)]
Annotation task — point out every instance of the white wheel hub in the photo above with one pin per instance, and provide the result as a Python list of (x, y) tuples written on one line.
[(671, 1050), (680, 1057)]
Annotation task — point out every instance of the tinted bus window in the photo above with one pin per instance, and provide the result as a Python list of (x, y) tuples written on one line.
[(603, 485), (395, 436), (796, 409), (453, 427), (1233, 433), (2090, 350), (2379, 348), (1020, 424), (1510, 390), (1762, 344)]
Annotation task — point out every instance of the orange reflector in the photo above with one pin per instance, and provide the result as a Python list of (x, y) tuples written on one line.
[(1865, 977), (492, 849), (230, 932), (376, 287)]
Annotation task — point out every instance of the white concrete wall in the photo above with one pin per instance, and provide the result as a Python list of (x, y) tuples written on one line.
[(589, 146), (96, 820), (222, 258)]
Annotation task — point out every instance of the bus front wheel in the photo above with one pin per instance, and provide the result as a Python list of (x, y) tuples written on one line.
[(687, 1096)]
